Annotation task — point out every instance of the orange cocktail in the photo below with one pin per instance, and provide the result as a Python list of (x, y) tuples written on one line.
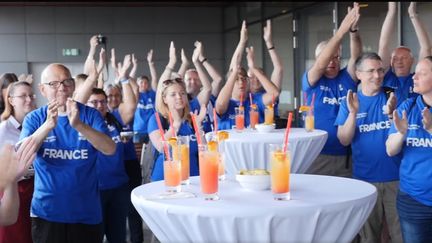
[(280, 172), (253, 116), (269, 115), (183, 143), (239, 118), (172, 165), (310, 122), (209, 168)]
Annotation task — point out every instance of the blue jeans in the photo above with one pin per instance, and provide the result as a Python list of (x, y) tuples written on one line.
[(115, 206), (415, 219)]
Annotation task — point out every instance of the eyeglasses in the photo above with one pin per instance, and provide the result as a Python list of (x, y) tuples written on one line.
[(96, 102), (66, 83), (380, 71), (32, 96)]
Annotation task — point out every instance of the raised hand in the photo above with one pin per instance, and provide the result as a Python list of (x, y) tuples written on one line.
[(134, 60), (351, 18), (352, 102), (150, 56), (412, 9), (14, 164), (172, 55), (123, 68), (268, 32), (197, 52), (52, 114), (113, 59), (102, 60), (72, 112), (250, 57), (390, 105), (401, 125), (94, 41), (354, 25), (427, 120), (243, 33)]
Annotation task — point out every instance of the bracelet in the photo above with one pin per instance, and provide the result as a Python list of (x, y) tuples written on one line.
[(203, 61), (353, 31), (271, 48), (124, 81)]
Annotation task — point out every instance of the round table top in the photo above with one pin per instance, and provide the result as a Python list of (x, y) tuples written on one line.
[(341, 209)]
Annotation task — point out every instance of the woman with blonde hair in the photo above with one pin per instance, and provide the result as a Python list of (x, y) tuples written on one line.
[(20, 100), (171, 99)]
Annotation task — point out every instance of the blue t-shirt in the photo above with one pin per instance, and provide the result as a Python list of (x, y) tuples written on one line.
[(145, 109), (370, 160), (66, 185), (207, 123), (328, 95), (111, 168), (185, 130), (227, 120), (416, 165), (129, 147), (403, 86)]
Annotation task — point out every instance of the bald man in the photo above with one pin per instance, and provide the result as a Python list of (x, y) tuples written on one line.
[(65, 205)]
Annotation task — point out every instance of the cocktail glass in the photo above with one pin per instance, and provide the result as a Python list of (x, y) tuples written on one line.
[(239, 118), (269, 115), (309, 120), (280, 172), (183, 143), (208, 167), (253, 116), (172, 166)]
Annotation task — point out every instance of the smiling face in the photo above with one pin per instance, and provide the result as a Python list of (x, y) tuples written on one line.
[(56, 73), (371, 74), (423, 77), (402, 61), (114, 97), (22, 99), (193, 82), (99, 102)]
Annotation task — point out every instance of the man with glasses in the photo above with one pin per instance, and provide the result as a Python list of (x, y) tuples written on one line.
[(66, 204), (363, 124), (329, 84)]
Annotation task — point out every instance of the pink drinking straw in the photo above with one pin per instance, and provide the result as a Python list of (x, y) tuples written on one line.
[(312, 102), (287, 131), (171, 123), (215, 124), (273, 99), (241, 99), (250, 98), (305, 99), (197, 132), (165, 147)]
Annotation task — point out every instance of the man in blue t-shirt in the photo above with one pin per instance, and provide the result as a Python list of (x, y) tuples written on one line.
[(330, 84), (398, 63), (66, 204), (363, 121)]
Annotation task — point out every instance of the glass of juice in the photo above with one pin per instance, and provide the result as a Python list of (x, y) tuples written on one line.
[(172, 166), (269, 115), (239, 118), (183, 143), (280, 172), (253, 116), (309, 120), (209, 171)]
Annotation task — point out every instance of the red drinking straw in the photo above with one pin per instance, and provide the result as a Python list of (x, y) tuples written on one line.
[(171, 123), (165, 147), (287, 131), (241, 99), (215, 124), (197, 132), (250, 98)]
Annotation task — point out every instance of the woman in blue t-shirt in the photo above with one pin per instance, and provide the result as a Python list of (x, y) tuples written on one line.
[(411, 137)]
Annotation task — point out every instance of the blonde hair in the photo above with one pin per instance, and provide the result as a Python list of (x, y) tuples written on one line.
[(161, 107), (9, 110)]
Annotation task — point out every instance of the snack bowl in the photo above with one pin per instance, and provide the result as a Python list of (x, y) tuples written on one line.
[(254, 181), (263, 128)]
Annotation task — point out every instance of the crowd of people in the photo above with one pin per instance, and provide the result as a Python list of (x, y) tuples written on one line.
[(68, 169)]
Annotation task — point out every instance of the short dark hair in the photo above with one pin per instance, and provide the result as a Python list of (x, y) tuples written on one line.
[(366, 56), (6, 79), (97, 91)]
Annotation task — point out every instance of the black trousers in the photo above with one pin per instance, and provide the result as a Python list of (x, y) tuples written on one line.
[(44, 231)]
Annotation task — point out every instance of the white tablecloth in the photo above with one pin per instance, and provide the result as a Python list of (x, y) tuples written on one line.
[(249, 149), (322, 209)]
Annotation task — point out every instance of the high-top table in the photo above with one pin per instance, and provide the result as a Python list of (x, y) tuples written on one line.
[(249, 149), (322, 209)]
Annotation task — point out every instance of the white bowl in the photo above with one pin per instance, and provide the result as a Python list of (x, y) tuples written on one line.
[(264, 127), (254, 182)]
